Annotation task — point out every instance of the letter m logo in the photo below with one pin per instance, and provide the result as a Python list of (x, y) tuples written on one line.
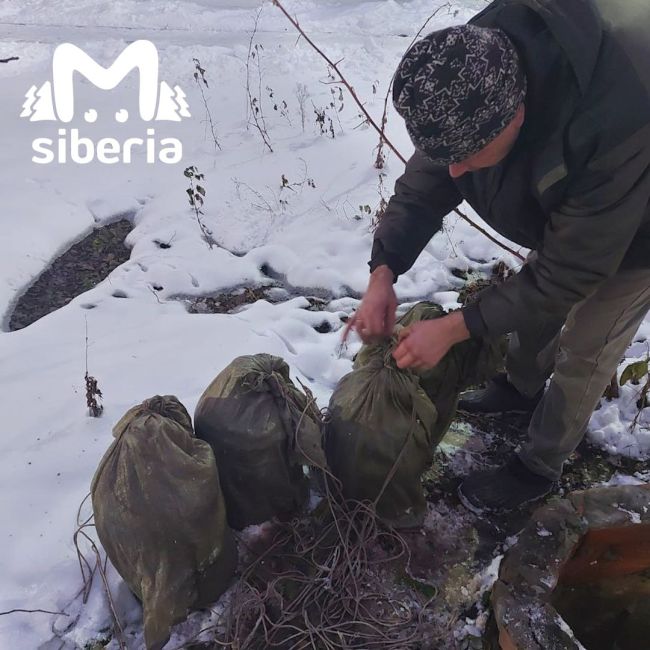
[(68, 58)]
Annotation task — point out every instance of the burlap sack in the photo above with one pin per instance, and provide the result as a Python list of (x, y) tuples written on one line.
[(263, 430), (160, 515), (384, 423)]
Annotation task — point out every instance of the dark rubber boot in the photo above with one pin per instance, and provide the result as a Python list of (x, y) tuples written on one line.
[(499, 396), (503, 489)]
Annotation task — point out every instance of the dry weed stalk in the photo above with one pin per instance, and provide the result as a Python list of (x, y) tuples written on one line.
[(255, 103), (199, 77), (196, 196), (95, 408)]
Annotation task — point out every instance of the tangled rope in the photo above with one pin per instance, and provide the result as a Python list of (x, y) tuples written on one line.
[(326, 581)]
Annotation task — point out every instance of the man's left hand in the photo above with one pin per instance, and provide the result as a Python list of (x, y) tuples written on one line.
[(424, 344)]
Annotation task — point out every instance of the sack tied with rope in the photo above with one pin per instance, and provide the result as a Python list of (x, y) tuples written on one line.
[(263, 430), (160, 515), (384, 423)]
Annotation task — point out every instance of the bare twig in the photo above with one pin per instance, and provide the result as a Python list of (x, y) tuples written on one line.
[(199, 77), (380, 130), (11, 58), (263, 205), (100, 566), (32, 611), (255, 103), (380, 159), (342, 80), (302, 95)]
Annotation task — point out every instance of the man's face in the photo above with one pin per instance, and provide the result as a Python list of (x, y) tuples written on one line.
[(493, 152)]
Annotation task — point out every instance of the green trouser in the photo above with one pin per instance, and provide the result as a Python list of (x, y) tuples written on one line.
[(583, 354)]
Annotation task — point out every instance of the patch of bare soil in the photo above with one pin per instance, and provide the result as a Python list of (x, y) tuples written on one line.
[(77, 270)]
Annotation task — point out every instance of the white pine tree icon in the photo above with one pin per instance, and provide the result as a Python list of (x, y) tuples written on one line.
[(167, 108), (180, 100), (38, 104), (171, 104)]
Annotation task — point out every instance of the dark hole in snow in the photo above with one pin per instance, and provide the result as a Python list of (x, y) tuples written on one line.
[(88, 306), (270, 272), (118, 293), (323, 328), (226, 302), (162, 244), (77, 270), (157, 287)]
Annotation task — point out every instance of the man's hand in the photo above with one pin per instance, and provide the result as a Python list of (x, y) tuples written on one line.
[(375, 318), (424, 344)]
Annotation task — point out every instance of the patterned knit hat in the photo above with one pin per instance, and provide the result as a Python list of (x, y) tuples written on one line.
[(457, 89)]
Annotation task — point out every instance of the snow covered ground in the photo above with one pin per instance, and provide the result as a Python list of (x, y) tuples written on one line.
[(315, 235)]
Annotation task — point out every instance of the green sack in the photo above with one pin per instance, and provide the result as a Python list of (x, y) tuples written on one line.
[(371, 432), (381, 422), (262, 430), (466, 364), (160, 515)]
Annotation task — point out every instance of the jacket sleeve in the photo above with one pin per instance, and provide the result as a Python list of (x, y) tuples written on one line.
[(585, 241), (424, 194)]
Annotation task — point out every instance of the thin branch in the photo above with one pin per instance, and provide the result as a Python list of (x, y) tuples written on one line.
[(380, 131), (379, 163), (493, 239), (199, 77), (32, 611), (258, 122), (342, 79)]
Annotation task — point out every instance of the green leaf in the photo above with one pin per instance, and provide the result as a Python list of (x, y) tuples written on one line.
[(635, 372), (427, 590)]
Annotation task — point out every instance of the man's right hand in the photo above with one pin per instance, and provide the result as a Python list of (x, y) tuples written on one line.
[(375, 318)]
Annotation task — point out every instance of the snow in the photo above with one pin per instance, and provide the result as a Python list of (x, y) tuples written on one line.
[(144, 343), (635, 517), (622, 479), (613, 427), (474, 627)]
